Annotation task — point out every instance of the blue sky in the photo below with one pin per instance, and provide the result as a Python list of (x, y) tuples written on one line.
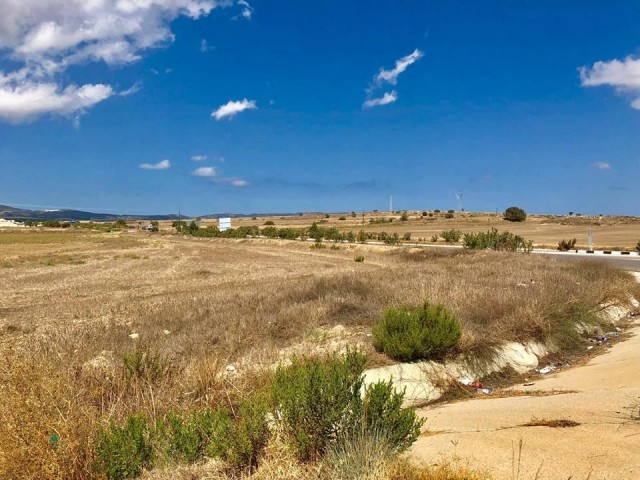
[(321, 106)]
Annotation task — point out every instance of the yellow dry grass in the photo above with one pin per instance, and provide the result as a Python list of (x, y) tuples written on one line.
[(204, 303)]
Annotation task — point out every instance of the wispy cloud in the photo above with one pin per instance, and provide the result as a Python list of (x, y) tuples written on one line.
[(205, 47), (234, 182), (161, 165), (387, 98), (247, 10), (207, 172), (391, 76), (622, 75), (601, 165), (199, 158), (135, 88), (232, 108)]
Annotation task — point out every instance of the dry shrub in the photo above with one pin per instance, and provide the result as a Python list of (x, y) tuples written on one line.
[(444, 470)]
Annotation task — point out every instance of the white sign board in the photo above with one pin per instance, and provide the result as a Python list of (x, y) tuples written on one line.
[(224, 224)]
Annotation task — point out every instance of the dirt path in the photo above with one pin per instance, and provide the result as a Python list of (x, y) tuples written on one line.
[(485, 432)]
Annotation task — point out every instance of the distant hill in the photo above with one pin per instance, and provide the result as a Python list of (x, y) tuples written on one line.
[(11, 213)]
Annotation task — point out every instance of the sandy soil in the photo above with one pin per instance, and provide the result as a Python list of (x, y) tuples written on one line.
[(486, 432)]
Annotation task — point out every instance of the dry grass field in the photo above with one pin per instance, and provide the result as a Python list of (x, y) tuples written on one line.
[(609, 232), (71, 301)]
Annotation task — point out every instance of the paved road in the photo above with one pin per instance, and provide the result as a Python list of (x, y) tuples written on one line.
[(627, 263)]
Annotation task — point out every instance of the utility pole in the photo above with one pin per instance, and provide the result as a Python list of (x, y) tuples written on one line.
[(390, 203), (179, 222)]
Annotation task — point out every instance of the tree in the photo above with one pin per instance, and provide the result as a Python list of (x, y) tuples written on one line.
[(515, 214)]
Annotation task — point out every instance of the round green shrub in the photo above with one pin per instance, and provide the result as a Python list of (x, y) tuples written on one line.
[(421, 333), (515, 214)]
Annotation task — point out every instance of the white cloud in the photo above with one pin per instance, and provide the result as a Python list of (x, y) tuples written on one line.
[(135, 88), (387, 98), (208, 172), (391, 76), (247, 10), (231, 108), (199, 158), (238, 182), (204, 46), (161, 165), (623, 75), (601, 165), (46, 37), (24, 101)]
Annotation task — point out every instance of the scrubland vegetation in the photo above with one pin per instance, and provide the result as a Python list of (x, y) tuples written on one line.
[(163, 352)]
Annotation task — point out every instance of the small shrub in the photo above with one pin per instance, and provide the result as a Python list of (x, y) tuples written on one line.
[(436, 211), (317, 246), (361, 237), (326, 215), (451, 236), (448, 215), (342, 218), (249, 434), (122, 452), (566, 245), (359, 258), (421, 333), (382, 412), (324, 410), (404, 217), (495, 240), (51, 224), (434, 238), (515, 214), (451, 211), (269, 222), (424, 214), (407, 236), (638, 247), (144, 364), (314, 398)]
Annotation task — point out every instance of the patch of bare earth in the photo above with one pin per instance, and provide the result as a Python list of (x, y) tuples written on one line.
[(602, 440)]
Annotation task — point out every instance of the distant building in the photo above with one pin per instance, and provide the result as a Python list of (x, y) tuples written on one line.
[(224, 224), (9, 223)]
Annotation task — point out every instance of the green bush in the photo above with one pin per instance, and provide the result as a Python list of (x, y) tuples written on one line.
[(51, 224), (404, 217), (448, 215), (407, 236), (249, 434), (269, 222), (420, 333), (342, 218), (122, 452), (323, 408), (382, 412), (451, 236), (316, 399), (515, 214), (359, 258), (638, 247), (362, 236), (495, 240), (451, 211), (434, 238)]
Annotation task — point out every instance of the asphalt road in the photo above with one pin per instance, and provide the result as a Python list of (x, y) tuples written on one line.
[(627, 263)]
